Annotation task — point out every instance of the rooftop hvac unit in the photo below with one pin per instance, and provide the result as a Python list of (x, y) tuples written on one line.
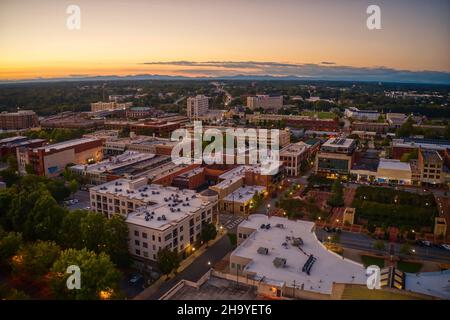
[(262, 250), (279, 262)]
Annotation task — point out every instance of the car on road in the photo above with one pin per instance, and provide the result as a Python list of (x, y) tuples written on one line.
[(424, 243), (446, 247), (135, 279)]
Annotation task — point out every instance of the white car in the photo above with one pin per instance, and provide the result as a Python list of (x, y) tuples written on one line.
[(446, 247)]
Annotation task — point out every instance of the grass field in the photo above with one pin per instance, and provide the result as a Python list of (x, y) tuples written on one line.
[(353, 292), (320, 114), (411, 267), (369, 261)]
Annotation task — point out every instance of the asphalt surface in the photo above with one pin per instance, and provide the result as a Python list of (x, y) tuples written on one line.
[(196, 269), (363, 242), (83, 201)]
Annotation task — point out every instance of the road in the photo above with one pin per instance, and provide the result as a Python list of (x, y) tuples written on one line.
[(194, 271), (363, 242), (83, 201)]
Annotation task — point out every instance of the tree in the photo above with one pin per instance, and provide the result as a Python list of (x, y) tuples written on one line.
[(73, 186), (10, 243), (233, 238), (98, 275), (116, 239), (405, 249), (337, 198), (35, 259), (167, 260), (209, 232), (29, 169), (70, 231), (44, 219), (379, 245), (93, 232), (6, 198)]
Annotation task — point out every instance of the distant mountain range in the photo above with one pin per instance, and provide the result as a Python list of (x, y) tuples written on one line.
[(426, 77)]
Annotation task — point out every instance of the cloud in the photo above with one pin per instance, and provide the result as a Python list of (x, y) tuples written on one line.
[(325, 70)]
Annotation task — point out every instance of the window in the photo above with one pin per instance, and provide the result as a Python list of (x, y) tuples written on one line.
[(145, 254), (153, 237), (136, 242), (154, 247), (145, 244), (138, 252), (181, 238), (144, 235), (181, 229), (233, 265), (159, 239), (136, 233)]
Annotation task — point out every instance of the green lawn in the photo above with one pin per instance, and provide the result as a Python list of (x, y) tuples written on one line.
[(369, 261), (320, 114), (411, 267)]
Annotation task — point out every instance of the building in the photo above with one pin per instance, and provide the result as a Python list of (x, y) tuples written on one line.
[(361, 115), (240, 201), (349, 216), (431, 166), (157, 217), (265, 102), (157, 128), (138, 112), (294, 157), (72, 120), (396, 120), (9, 146), (197, 106), (440, 227), (130, 165), (408, 145), (295, 121), (285, 255), (378, 127), (20, 120), (394, 171), (335, 157), (109, 106), (51, 160), (192, 179)]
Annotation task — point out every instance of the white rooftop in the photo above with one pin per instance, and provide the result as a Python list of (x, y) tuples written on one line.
[(430, 283), (173, 203), (294, 148), (392, 164), (125, 159), (338, 143), (66, 144), (328, 268), (244, 194)]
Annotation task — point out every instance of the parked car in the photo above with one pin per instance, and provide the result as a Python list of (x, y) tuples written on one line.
[(327, 229), (446, 247), (134, 279), (424, 243)]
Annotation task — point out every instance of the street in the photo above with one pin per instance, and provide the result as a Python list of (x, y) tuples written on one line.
[(194, 271), (363, 242)]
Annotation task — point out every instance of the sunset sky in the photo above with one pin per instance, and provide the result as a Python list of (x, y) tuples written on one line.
[(234, 37)]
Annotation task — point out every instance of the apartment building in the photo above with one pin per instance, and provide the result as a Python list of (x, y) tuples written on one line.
[(197, 106), (264, 101), (109, 106), (51, 160), (22, 119), (335, 156), (157, 217), (310, 123), (431, 165), (294, 156)]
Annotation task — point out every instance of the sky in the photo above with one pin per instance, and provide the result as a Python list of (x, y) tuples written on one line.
[(304, 38)]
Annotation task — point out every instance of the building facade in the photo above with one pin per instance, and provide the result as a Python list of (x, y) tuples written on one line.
[(20, 120), (264, 102), (197, 106)]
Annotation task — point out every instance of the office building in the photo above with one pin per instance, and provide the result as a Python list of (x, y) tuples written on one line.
[(335, 157), (264, 102), (197, 106)]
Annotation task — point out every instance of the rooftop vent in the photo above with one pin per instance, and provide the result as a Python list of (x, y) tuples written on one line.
[(262, 250)]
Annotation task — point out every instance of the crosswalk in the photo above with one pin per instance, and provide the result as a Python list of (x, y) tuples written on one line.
[(233, 223)]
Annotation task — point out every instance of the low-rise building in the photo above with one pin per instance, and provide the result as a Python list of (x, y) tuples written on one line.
[(362, 115), (138, 112), (240, 201), (394, 171), (109, 106), (335, 157), (264, 101), (294, 156), (51, 160), (9, 146), (431, 166)]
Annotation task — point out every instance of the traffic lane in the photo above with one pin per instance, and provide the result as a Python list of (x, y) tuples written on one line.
[(364, 242)]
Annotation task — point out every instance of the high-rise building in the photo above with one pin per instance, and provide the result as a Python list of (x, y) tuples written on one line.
[(197, 106), (22, 119)]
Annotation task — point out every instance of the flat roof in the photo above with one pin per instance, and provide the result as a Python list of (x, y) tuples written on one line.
[(338, 142), (125, 159), (173, 203), (431, 283), (244, 194), (66, 144), (391, 164), (294, 148), (328, 268)]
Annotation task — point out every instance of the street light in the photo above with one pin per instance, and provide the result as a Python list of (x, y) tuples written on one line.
[(209, 263)]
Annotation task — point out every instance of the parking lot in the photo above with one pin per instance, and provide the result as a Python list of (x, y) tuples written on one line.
[(230, 221), (80, 200)]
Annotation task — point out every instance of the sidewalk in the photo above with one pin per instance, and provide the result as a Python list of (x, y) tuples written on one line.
[(156, 286)]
